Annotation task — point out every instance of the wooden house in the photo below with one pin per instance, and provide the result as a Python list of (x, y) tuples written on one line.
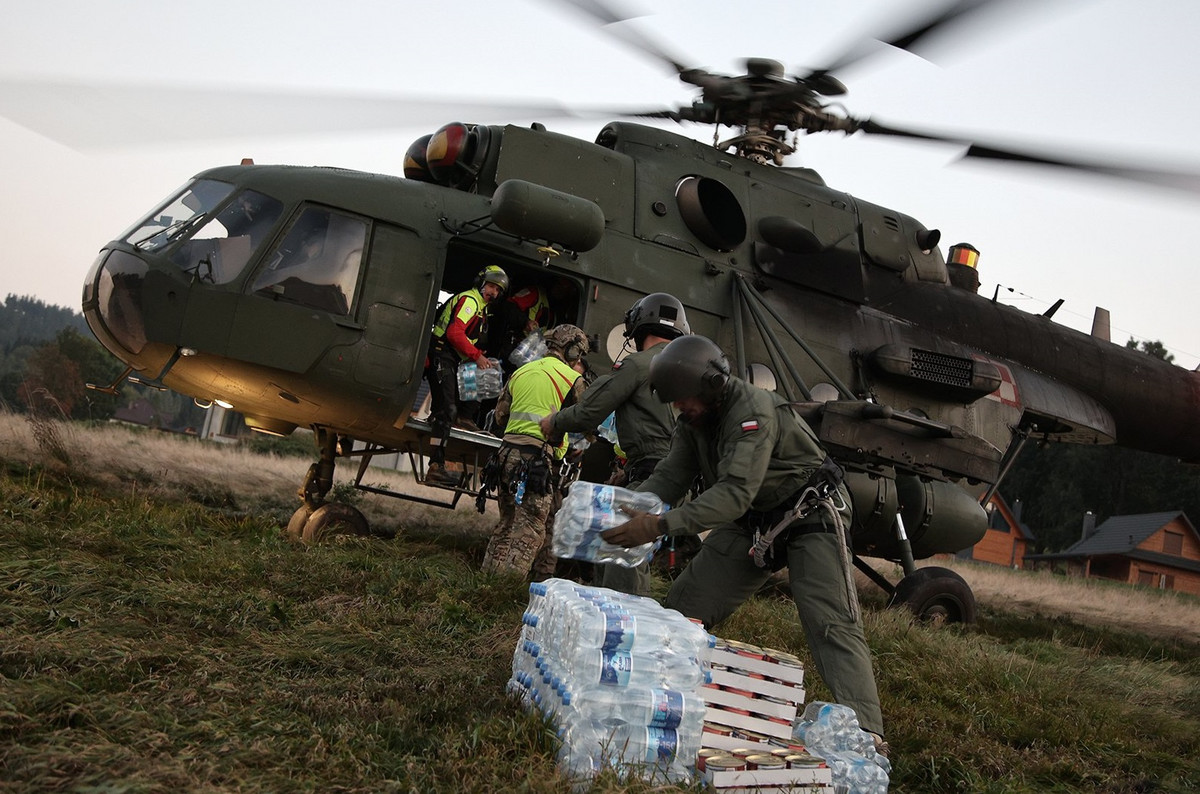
[(1007, 539), (1160, 550)]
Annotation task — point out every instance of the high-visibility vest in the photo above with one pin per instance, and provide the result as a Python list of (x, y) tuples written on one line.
[(467, 306), (537, 389)]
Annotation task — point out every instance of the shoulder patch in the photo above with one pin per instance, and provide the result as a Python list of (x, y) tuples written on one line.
[(617, 364), (749, 425)]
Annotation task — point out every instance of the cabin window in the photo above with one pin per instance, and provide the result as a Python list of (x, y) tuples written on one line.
[(1173, 543), (317, 262)]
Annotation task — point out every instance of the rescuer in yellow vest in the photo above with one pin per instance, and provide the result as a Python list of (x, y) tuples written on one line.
[(525, 481), (461, 322)]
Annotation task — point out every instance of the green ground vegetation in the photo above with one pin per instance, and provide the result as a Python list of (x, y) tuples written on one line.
[(153, 644)]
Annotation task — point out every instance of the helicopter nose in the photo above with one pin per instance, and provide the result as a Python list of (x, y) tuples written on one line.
[(112, 302)]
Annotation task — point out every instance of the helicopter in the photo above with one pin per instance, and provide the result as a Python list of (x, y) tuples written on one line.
[(304, 296)]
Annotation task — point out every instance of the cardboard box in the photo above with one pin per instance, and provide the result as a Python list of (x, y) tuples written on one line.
[(720, 716), (760, 686), (774, 670), (777, 779), (760, 708), (719, 741)]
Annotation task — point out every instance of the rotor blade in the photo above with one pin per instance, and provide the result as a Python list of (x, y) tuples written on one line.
[(909, 36), (608, 16), (1178, 180), (90, 116)]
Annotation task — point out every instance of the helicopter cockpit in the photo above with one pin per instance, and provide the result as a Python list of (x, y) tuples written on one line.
[(214, 246)]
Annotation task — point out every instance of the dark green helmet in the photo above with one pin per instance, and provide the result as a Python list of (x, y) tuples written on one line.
[(690, 366), (658, 313)]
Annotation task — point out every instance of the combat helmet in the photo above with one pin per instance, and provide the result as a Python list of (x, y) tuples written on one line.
[(690, 366), (569, 340), (658, 313)]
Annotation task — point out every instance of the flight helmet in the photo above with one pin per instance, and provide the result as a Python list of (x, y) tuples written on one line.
[(690, 366)]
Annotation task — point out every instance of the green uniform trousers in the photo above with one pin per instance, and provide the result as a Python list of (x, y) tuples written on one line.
[(723, 575)]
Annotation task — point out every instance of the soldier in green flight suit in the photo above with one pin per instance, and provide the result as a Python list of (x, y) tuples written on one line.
[(755, 456), (644, 423)]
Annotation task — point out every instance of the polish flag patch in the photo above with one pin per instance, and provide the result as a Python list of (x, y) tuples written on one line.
[(749, 424)]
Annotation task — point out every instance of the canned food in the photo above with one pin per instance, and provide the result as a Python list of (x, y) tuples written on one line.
[(762, 761), (724, 763), (804, 761), (705, 754)]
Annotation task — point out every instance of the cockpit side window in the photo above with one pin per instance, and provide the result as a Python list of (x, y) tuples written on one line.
[(317, 262)]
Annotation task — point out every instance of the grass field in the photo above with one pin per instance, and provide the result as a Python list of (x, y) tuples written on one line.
[(159, 633)]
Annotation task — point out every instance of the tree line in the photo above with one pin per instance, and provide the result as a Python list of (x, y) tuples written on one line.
[(48, 355)]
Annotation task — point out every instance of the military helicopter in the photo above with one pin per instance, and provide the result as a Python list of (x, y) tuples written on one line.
[(304, 297)]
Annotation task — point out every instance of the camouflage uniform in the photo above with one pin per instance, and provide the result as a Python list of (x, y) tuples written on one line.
[(521, 539), (755, 455)]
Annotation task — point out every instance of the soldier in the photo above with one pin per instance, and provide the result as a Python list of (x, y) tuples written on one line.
[(756, 456), (461, 322), (526, 487), (644, 423)]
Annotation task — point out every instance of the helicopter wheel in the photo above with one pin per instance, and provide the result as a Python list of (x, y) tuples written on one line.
[(295, 526), (936, 595), (334, 518)]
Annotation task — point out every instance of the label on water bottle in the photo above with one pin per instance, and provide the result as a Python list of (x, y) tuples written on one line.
[(661, 745), (602, 499), (616, 667), (668, 708), (620, 628)]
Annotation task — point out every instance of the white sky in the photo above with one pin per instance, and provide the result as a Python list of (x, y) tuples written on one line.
[(1116, 77)]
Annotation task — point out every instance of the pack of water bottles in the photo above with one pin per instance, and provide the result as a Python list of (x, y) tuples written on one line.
[(619, 675), (589, 509), (531, 348), (831, 731), (479, 384)]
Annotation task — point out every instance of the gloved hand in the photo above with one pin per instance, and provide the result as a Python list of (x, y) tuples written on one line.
[(640, 528), (546, 424)]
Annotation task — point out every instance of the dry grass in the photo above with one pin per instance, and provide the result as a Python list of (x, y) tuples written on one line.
[(1163, 614), (229, 476)]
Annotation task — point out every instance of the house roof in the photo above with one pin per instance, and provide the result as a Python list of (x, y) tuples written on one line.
[(1122, 534), (996, 519)]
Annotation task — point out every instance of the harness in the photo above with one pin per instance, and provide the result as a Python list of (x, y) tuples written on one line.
[(821, 493)]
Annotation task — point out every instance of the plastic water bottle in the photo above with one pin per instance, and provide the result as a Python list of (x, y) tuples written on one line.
[(531, 348), (589, 509), (832, 731), (682, 712), (664, 668), (608, 428), (634, 751), (479, 384)]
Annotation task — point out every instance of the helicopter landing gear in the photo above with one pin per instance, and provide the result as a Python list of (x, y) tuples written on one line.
[(317, 519), (936, 595)]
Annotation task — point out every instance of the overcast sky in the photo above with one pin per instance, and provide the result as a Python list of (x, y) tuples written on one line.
[(1085, 77)]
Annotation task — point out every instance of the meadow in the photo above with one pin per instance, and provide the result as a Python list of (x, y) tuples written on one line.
[(159, 632)]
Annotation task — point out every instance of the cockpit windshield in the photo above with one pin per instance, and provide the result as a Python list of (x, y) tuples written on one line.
[(214, 245)]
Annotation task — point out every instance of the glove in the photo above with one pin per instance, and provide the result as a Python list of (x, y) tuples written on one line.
[(639, 529)]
